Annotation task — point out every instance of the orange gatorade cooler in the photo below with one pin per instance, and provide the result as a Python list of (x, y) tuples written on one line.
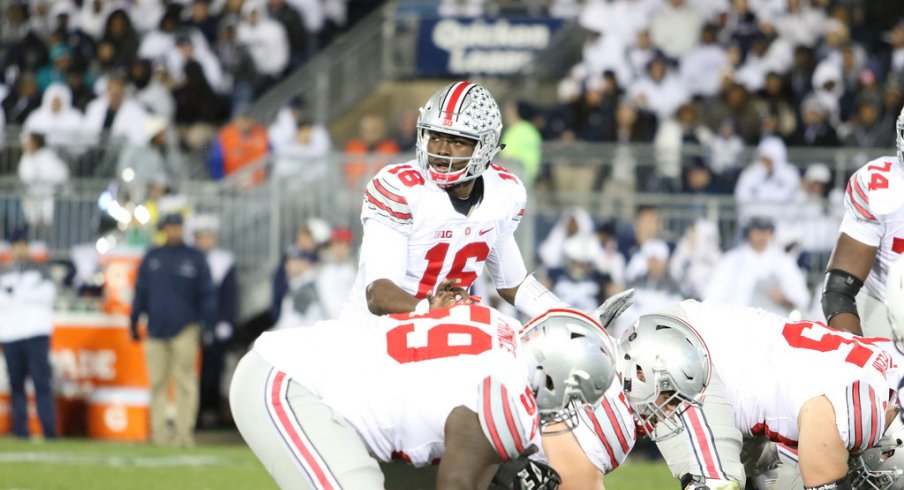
[(119, 414)]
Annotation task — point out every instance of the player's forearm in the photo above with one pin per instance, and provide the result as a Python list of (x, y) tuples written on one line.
[(846, 321), (385, 297)]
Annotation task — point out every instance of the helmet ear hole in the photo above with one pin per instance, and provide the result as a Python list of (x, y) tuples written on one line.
[(550, 385)]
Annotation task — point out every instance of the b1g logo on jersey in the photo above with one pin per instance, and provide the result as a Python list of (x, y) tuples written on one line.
[(442, 234)]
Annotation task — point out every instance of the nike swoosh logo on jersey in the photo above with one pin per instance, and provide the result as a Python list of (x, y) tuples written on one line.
[(484, 232)]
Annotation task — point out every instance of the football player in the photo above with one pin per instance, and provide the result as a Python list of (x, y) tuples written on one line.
[(431, 224), (870, 238), (824, 392), (320, 406)]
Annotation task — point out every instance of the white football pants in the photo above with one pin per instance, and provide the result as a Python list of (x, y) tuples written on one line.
[(295, 435)]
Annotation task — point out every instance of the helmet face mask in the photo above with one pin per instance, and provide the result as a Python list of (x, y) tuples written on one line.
[(463, 110), (666, 368), (880, 467), (571, 363)]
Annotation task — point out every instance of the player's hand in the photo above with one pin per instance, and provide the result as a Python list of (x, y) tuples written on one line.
[(133, 333), (448, 293), (523, 473)]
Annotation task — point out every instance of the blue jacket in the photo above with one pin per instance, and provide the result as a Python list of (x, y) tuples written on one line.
[(175, 289)]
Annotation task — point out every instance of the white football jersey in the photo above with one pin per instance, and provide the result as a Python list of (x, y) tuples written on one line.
[(442, 243), (874, 215), (771, 366), (396, 378), (607, 433)]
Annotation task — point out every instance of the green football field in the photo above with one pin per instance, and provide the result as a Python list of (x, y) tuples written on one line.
[(86, 464)]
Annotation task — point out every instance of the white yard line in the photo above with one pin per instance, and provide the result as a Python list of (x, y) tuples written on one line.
[(115, 461)]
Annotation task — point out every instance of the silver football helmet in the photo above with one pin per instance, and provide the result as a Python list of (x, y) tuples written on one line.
[(571, 362), (666, 367), (894, 301), (880, 467), (899, 136), (462, 109)]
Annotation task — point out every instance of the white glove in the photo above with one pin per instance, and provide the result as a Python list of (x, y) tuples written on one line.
[(613, 307)]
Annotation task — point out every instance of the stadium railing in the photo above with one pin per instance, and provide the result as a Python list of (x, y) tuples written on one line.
[(259, 219)]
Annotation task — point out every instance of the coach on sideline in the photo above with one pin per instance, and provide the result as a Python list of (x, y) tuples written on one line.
[(176, 291), (26, 311)]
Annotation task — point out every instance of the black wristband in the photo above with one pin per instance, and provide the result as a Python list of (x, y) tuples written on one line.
[(842, 484)]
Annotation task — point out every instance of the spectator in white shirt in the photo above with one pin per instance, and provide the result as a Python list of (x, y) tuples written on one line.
[(801, 25), (572, 222), (157, 43), (42, 172), (93, 16), (150, 91), (702, 67), (695, 258), (117, 112), (265, 38), (337, 272), (56, 118), (306, 154), (659, 91), (809, 213), (675, 29), (758, 274), (769, 184)]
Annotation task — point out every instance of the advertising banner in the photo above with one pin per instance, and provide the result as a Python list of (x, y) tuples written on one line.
[(486, 46)]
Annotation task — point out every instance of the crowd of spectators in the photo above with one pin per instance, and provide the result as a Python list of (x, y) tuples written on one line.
[(74, 71), (584, 261), (715, 75)]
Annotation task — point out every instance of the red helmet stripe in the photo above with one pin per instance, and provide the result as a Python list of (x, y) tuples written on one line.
[(453, 100)]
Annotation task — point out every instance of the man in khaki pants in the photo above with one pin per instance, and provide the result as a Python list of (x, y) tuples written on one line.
[(175, 290)]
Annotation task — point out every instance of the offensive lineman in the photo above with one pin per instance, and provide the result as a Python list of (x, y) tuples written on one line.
[(825, 392), (320, 405), (432, 223), (870, 239)]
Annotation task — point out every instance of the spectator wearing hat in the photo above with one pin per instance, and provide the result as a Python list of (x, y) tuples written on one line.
[(337, 272), (55, 72), (648, 273), (757, 273), (301, 302), (810, 213), (174, 289), (579, 282), (157, 157), (225, 279), (815, 128), (43, 172), (309, 240), (26, 308)]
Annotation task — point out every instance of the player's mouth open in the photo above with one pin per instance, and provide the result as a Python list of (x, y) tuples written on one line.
[(440, 166)]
